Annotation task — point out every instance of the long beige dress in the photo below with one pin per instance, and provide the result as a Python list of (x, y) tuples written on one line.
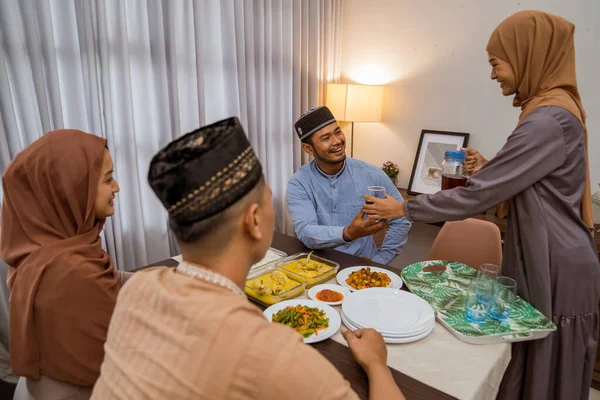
[(177, 337)]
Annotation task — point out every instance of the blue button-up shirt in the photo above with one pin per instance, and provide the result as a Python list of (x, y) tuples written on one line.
[(322, 205)]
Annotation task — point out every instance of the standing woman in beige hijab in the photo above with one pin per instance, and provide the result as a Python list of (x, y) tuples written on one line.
[(543, 170)]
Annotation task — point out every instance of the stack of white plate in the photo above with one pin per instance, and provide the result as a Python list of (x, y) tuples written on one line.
[(400, 316)]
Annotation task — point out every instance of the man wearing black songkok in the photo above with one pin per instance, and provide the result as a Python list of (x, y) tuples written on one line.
[(325, 197), (190, 332)]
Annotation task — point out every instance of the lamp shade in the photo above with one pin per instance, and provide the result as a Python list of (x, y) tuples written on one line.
[(355, 103)]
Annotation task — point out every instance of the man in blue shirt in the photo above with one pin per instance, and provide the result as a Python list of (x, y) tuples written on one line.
[(325, 197)]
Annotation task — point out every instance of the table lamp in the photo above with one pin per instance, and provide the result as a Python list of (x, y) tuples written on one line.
[(354, 103)]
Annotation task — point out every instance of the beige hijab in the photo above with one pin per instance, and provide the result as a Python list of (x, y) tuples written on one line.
[(541, 50), (63, 285)]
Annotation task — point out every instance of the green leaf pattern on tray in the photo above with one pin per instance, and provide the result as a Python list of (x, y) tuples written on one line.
[(445, 291)]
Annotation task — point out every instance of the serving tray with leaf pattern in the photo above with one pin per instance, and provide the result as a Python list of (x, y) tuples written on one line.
[(443, 285)]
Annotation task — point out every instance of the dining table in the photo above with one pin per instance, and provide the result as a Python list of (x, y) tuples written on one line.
[(439, 366)]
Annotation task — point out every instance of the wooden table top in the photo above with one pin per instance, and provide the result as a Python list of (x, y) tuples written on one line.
[(339, 355)]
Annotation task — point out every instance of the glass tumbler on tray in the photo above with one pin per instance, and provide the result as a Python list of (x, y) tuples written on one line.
[(452, 170), (478, 299), (505, 296), (491, 271)]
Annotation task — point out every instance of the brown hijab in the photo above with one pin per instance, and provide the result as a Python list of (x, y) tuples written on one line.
[(63, 285), (541, 50)]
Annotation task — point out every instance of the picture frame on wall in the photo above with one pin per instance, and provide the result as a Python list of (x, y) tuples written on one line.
[(426, 176)]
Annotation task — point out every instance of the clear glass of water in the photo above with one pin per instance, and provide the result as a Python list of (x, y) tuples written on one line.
[(376, 191), (491, 271), (505, 295), (479, 297)]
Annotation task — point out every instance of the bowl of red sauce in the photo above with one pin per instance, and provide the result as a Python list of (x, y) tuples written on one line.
[(329, 294)]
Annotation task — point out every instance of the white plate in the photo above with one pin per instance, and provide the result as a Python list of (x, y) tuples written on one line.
[(312, 293), (347, 321), (335, 322), (389, 311), (393, 340), (396, 281), (401, 335)]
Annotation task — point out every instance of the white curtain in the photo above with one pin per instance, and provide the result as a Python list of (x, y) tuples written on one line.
[(141, 73)]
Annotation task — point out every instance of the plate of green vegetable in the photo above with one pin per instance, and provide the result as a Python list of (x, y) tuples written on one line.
[(314, 320)]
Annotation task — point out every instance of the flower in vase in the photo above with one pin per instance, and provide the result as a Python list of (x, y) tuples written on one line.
[(392, 170)]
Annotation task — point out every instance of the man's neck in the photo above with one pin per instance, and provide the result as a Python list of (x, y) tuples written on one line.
[(330, 169), (233, 264)]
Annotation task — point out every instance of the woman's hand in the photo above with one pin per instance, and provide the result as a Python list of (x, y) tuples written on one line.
[(388, 208), (474, 161)]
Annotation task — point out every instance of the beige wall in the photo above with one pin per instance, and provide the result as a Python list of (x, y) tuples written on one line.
[(430, 54)]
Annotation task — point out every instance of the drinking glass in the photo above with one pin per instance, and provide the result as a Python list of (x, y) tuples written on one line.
[(505, 295), (478, 299), (376, 191), (488, 271)]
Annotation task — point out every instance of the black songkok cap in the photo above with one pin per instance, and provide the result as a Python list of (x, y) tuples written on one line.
[(312, 121), (204, 172)]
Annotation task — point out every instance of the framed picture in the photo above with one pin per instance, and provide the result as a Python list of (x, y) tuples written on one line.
[(426, 177)]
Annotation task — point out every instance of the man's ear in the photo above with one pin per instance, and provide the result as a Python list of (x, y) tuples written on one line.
[(308, 149), (252, 221)]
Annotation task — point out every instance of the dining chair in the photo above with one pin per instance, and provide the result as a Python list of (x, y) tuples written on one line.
[(472, 242)]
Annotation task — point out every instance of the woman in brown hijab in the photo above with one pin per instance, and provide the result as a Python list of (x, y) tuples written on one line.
[(57, 194), (543, 170)]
